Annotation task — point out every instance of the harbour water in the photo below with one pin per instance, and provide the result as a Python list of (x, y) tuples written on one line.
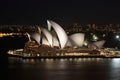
[(64, 69)]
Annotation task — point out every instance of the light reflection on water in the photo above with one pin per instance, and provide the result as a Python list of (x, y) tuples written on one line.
[(115, 69), (52, 60), (115, 63), (65, 69)]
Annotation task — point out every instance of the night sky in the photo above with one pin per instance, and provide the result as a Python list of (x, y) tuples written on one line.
[(61, 11)]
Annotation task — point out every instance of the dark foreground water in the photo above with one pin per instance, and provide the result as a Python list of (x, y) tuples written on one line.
[(64, 69)]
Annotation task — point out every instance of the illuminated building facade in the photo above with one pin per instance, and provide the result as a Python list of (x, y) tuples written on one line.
[(55, 35)]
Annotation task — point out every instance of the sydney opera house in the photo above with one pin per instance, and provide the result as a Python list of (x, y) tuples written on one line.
[(55, 35), (54, 41)]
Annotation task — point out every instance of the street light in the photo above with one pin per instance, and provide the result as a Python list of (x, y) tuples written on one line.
[(117, 36)]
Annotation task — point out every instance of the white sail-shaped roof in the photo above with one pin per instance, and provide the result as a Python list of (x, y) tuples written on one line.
[(47, 35), (62, 36), (69, 43), (49, 25), (36, 37), (28, 35), (39, 30), (44, 40), (99, 44), (55, 41), (77, 39)]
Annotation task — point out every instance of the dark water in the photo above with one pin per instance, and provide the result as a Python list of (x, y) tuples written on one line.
[(64, 69)]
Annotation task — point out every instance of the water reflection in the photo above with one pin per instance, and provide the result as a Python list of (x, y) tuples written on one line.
[(64, 69), (115, 63), (115, 69)]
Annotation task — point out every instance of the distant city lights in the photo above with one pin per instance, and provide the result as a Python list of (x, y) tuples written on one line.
[(95, 38)]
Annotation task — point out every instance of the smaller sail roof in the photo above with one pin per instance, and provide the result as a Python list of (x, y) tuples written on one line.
[(48, 35), (77, 39), (99, 44)]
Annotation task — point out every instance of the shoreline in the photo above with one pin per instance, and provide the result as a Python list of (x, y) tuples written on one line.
[(58, 57)]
